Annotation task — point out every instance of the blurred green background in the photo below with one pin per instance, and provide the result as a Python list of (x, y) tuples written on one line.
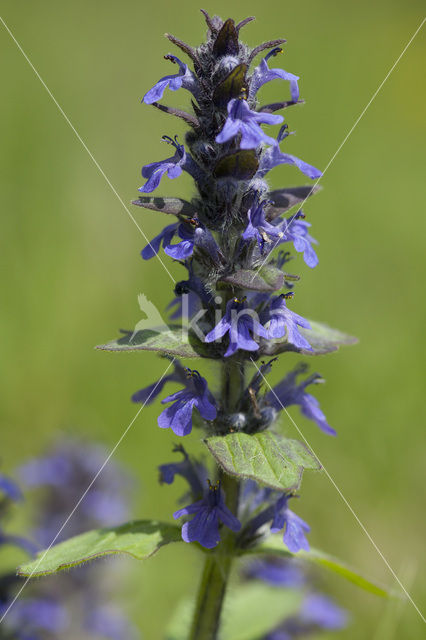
[(72, 271)]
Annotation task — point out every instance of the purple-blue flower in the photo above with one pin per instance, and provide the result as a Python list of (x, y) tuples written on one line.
[(178, 416), (208, 513), (190, 294), (164, 238), (148, 394), (241, 323), (241, 119), (296, 230), (173, 166), (191, 234), (288, 392), (193, 472), (263, 74), (184, 78), (259, 229), (283, 322), (273, 156), (294, 527)]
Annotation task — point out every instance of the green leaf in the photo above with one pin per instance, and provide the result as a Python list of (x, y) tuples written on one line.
[(226, 43), (274, 545), (171, 341), (269, 278), (139, 539), (250, 611), (323, 339), (241, 165), (266, 457), (173, 206), (231, 86)]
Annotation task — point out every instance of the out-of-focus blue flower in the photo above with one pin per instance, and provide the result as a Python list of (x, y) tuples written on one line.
[(278, 572), (9, 488), (196, 394), (18, 541), (208, 513), (241, 323), (106, 621), (317, 613), (284, 322), (242, 120), (62, 477), (294, 527), (289, 392), (184, 78), (321, 611), (173, 166), (263, 74), (65, 474), (30, 617), (10, 492)]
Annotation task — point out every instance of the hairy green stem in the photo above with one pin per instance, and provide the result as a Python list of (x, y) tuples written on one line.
[(218, 563), (216, 572)]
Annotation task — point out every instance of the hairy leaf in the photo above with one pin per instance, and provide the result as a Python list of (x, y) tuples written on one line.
[(226, 42), (171, 341), (266, 457), (186, 117), (139, 539), (269, 278), (241, 165), (173, 206), (276, 106), (323, 339), (251, 610), (274, 545), (231, 86), (242, 24), (284, 199)]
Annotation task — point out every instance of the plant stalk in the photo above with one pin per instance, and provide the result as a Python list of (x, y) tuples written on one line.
[(218, 563)]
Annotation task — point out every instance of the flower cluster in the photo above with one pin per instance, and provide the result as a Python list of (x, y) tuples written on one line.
[(225, 242), (74, 604), (30, 618)]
